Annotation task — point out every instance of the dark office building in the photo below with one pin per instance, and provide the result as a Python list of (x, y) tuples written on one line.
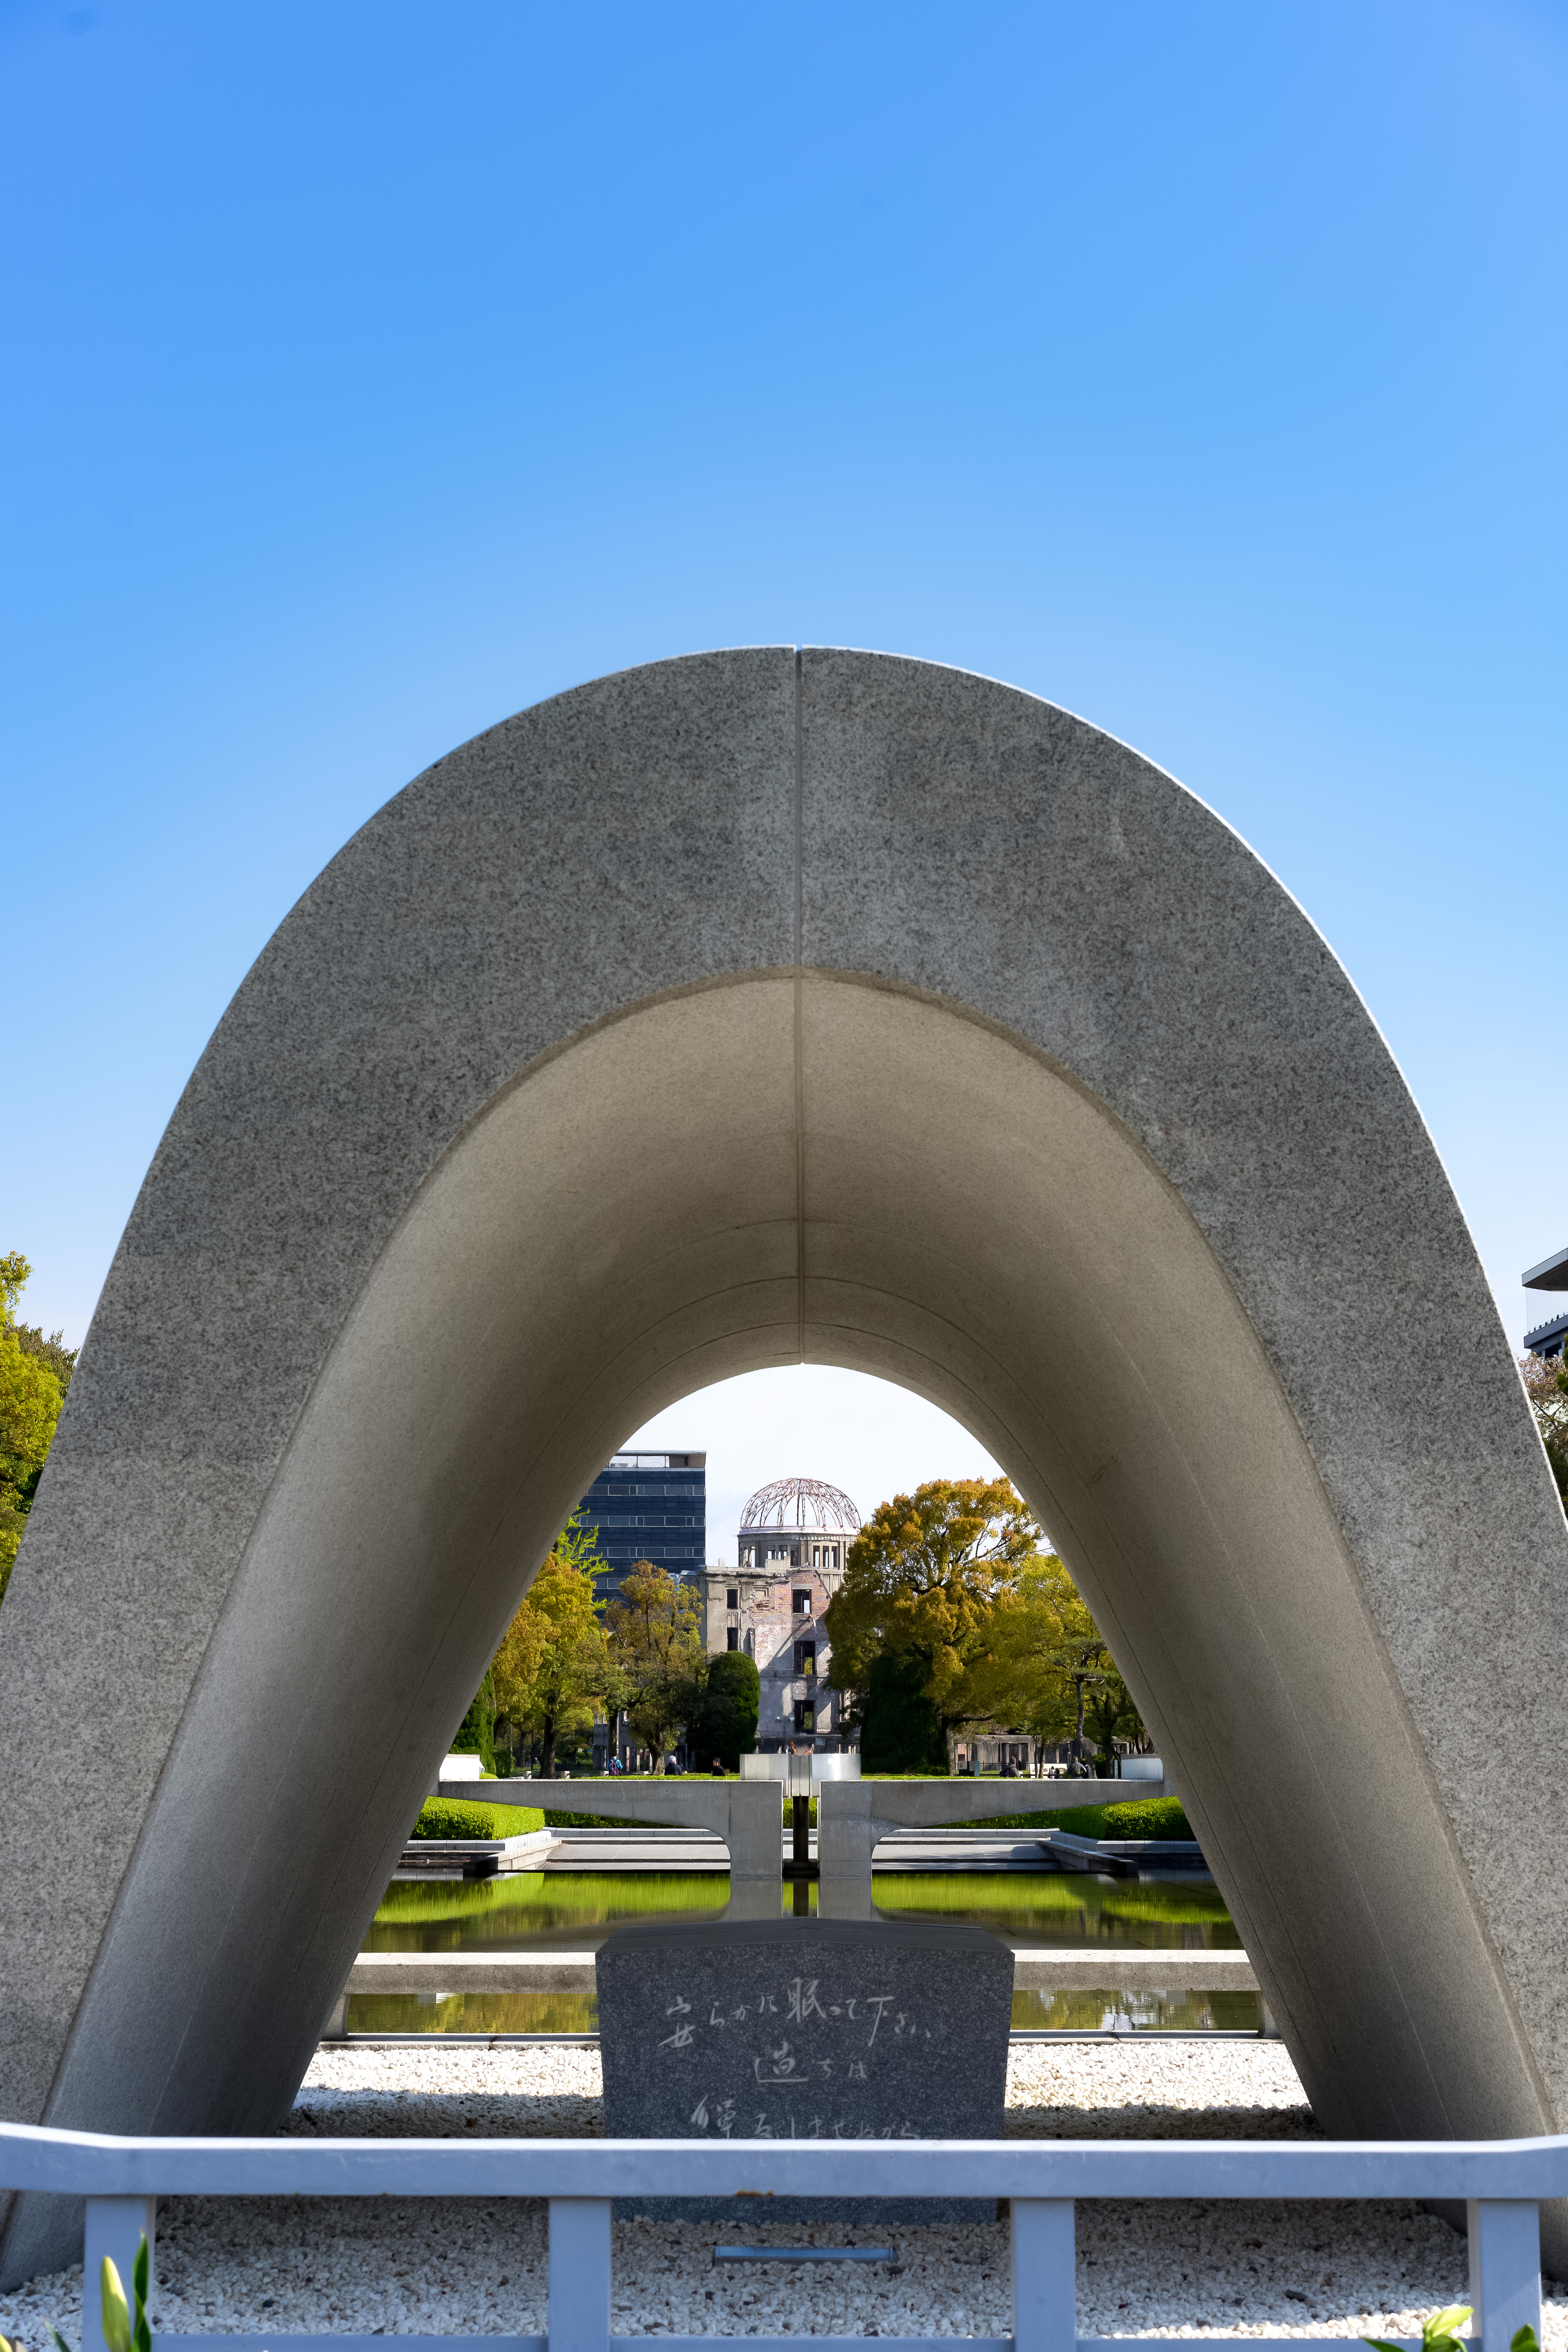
[(649, 1507), (1547, 1338)]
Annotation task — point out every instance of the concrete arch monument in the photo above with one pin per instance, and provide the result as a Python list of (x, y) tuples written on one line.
[(732, 1011)]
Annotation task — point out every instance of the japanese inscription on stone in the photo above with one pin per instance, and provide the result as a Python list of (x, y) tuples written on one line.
[(805, 2029)]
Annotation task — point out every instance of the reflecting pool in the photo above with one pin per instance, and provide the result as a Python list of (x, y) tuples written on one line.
[(563, 1910)]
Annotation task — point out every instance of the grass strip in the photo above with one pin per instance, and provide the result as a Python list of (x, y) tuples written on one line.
[(1145, 1817)]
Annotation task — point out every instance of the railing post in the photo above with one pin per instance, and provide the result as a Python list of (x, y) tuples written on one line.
[(579, 2274), (114, 2227), (1044, 2275), (1505, 2270)]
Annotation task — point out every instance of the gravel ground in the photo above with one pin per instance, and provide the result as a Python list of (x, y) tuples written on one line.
[(455, 2266)]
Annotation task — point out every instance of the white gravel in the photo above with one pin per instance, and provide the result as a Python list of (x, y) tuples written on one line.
[(459, 2266)]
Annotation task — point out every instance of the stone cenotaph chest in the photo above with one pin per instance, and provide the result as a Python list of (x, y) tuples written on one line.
[(806, 2029)]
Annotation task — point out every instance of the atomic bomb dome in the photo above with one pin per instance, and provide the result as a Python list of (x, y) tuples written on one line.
[(799, 1502), (794, 1540)]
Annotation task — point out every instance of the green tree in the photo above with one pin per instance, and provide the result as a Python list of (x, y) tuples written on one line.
[(655, 1631), (553, 1660), (14, 1273), (1110, 1712), (1014, 1676), (1040, 1664), (475, 1736), (726, 1720), (900, 1731), (921, 1581), (31, 1394), (1546, 1386), (47, 1349), (1086, 1663)]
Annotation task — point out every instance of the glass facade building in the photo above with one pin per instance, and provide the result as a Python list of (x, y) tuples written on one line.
[(649, 1507), (1548, 1339)]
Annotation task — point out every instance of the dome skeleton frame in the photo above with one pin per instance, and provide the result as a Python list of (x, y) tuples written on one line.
[(817, 1506)]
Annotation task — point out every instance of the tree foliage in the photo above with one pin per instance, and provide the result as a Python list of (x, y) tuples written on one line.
[(1014, 1668), (32, 1390), (1040, 1664), (900, 1731), (553, 1660), (656, 1636), (726, 1721), (951, 1616), (1110, 1711), (1546, 1386), (921, 1579)]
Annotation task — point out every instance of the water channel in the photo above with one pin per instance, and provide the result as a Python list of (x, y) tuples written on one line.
[(570, 1911)]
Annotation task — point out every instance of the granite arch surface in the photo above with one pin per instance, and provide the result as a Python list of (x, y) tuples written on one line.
[(736, 1010)]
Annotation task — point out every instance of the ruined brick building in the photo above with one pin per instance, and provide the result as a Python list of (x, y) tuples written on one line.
[(793, 1539)]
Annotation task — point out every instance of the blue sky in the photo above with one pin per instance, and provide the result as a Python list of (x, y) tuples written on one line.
[(374, 371)]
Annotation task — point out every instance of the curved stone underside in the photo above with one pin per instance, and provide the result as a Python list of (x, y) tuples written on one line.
[(732, 1011)]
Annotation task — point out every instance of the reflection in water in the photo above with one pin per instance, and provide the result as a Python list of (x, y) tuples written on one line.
[(562, 1910), (535, 1910), (1055, 1914), (1061, 1913)]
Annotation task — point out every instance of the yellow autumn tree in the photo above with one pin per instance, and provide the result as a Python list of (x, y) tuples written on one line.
[(553, 1660), (923, 1577), (656, 1637)]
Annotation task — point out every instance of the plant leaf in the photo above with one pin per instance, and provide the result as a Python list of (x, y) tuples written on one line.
[(1523, 2339), (140, 2271), (115, 2317), (59, 2339), (1380, 2344), (1443, 2323)]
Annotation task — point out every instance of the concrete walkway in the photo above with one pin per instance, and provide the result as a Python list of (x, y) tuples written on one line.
[(1096, 1967), (701, 1850), (690, 1825)]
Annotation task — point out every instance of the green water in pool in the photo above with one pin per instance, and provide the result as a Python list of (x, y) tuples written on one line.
[(563, 1910)]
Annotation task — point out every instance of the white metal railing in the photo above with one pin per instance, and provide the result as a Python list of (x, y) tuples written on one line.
[(1501, 2182)]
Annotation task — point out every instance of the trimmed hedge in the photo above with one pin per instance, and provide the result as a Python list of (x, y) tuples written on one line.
[(449, 1817), (1144, 1817)]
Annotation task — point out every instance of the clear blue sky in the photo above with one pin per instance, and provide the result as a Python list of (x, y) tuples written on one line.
[(372, 370)]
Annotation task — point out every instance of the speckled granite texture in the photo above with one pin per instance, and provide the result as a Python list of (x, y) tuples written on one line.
[(720, 1013), (805, 2029)]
